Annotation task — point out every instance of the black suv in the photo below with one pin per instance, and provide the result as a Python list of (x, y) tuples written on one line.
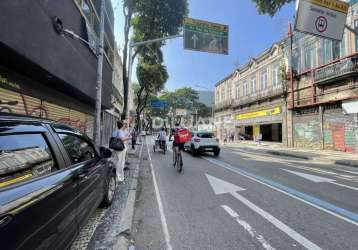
[(52, 178)]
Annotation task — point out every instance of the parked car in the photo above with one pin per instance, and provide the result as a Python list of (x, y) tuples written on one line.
[(52, 178), (203, 142)]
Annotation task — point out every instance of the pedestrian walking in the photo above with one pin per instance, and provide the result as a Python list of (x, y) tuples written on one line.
[(123, 135), (134, 138)]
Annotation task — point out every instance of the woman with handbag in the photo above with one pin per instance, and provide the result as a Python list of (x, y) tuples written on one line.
[(119, 137)]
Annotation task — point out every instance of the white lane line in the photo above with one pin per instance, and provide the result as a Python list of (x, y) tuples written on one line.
[(346, 186), (319, 179), (351, 172), (248, 228), (231, 168), (278, 224), (160, 205)]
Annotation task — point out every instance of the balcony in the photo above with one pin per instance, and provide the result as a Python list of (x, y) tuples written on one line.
[(223, 105), (267, 93), (337, 70)]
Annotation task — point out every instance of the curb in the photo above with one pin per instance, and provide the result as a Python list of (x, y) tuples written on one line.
[(126, 222), (348, 163), (297, 155)]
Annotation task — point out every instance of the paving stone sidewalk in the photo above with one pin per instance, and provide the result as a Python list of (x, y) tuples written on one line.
[(102, 229)]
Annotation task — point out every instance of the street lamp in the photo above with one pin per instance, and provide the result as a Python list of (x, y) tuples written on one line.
[(58, 26)]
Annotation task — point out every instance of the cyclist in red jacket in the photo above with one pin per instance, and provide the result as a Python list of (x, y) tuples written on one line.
[(181, 135)]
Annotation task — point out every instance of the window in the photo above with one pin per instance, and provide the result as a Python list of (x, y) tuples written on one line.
[(222, 94), (245, 88), (338, 48), (264, 79), (78, 149), (253, 85), (326, 49), (237, 91), (229, 95), (92, 19), (296, 65), (309, 57), (275, 74), (24, 156), (217, 96)]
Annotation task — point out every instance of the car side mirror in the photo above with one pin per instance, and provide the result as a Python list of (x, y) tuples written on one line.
[(105, 152)]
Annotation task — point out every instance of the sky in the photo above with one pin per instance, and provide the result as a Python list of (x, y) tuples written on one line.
[(249, 35)]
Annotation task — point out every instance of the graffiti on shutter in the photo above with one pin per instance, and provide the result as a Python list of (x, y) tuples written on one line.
[(306, 129), (17, 103), (339, 131)]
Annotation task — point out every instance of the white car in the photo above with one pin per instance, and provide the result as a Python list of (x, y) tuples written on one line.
[(203, 141)]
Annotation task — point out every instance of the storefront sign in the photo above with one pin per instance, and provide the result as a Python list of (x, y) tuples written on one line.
[(8, 83), (181, 112), (261, 113)]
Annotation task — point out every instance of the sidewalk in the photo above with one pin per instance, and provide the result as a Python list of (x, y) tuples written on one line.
[(322, 156), (111, 232)]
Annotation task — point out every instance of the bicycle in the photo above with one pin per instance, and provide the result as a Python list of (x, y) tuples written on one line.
[(177, 159)]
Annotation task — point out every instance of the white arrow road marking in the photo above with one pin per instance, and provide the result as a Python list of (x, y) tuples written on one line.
[(278, 224), (248, 228), (195, 39), (311, 177), (222, 187), (318, 179), (312, 201)]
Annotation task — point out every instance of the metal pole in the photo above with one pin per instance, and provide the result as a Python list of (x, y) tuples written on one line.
[(130, 59), (291, 82), (97, 125), (156, 40)]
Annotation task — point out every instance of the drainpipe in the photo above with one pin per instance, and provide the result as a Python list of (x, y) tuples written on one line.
[(290, 66)]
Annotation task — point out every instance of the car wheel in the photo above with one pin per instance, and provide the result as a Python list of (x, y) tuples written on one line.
[(110, 191), (194, 151), (216, 152)]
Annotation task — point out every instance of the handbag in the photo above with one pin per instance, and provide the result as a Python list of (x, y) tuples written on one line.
[(116, 143)]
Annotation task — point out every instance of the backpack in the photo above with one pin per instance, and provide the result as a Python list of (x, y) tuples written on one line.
[(182, 135)]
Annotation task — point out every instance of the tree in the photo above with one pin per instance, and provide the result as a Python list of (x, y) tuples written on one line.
[(150, 19), (270, 7), (151, 77)]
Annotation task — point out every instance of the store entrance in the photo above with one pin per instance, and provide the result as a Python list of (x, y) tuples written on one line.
[(249, 132), (271, 132)]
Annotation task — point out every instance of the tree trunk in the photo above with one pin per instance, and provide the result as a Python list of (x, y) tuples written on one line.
[(127, 26)]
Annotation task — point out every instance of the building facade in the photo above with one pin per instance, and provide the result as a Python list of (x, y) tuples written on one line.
[(323, 105), (259, 102), (223, 112), (49, 75)]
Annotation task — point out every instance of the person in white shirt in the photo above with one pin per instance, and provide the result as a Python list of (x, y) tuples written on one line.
[(162, 137), (122, 134)]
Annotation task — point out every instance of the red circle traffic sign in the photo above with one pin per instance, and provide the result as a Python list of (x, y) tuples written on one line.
[(321, 24)]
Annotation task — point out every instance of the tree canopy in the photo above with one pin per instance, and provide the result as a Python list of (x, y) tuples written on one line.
[(270, 7), (150, 19)]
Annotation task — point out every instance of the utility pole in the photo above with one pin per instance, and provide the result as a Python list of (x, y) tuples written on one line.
[(97, 124)]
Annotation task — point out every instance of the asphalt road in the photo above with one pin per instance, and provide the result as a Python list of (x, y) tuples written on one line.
[(245, 200)]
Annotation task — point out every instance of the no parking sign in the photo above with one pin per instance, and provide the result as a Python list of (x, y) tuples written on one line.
[(325, 18)]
